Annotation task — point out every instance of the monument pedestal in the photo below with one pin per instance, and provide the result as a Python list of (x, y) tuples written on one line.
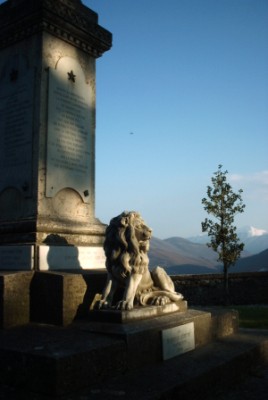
[(47, 297), (15, 298), (56, 361), (48, 53), (166, 335)]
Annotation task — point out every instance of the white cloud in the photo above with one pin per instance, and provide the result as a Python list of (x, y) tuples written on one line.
[(255, 181), (256, 232), (236, 178), (254, 186), (260, 177)]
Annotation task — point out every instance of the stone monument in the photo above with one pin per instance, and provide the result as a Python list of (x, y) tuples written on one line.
[(47, 135)]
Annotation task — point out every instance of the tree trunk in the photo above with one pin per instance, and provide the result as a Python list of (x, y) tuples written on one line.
[(226, 285)]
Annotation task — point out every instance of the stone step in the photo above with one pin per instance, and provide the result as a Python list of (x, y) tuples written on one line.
[(204, 373), (54, 360), (58, 361)]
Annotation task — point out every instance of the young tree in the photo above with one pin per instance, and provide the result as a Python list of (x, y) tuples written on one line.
[(223, 204)]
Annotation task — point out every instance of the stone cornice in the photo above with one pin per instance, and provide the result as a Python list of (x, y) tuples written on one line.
[(74, 24)]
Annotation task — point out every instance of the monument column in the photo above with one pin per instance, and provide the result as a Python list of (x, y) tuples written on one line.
[(48, 50)]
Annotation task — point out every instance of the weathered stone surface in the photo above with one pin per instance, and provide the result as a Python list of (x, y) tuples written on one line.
[(69, 136), (58, 298), (70, 21), (55, 258), (224, 322), (145, 335), (17, 258), (137, 313), (16, 110), (47, 188), (58, 361), (15, 298), (83, 366)]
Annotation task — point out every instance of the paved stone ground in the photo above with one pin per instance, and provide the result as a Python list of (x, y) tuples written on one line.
[(254, 388), (199, 367)]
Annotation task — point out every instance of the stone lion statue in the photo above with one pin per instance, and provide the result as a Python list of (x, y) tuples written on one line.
[(126, 248)]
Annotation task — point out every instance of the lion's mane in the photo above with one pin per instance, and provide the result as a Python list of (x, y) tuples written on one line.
[(122, 244)]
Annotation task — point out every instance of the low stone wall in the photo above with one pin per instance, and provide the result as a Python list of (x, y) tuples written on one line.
[(244, 288), (58, 297)]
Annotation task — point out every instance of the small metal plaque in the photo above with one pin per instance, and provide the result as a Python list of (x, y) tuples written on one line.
[(71, 257), (69, 149), (178, 340), (16, 258)]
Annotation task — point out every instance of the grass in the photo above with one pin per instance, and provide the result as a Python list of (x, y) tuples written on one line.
[(255, 317)]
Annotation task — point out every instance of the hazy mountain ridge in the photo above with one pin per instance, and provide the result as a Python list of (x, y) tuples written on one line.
[(255, 240), (257, 262), (182, 256), (179, 252), (178, 255)]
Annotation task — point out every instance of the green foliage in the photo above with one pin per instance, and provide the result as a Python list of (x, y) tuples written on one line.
[(223, 204), (253, 316)]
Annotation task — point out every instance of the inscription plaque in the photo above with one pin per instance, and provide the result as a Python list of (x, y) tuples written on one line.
[(68, 142), (16, 257), (16, 129), (178, 340), (71, 257)]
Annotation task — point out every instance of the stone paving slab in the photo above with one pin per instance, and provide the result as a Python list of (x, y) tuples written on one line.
[(207, 371), (231, 368), (55, 360)]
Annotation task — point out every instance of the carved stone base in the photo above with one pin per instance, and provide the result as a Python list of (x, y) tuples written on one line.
[(150, 340), (138, 313)]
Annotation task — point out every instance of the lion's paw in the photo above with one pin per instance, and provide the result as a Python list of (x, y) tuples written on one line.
[(124, 305), (160, 300), (103, 305)]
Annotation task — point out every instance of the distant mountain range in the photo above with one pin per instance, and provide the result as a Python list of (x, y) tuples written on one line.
[(258, 262), (184, 256), (255, 240)]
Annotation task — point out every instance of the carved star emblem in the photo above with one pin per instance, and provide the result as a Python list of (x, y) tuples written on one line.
[(71, 76), (14, 75)]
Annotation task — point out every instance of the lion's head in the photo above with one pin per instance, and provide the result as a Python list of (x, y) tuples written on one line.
[(127, 243)]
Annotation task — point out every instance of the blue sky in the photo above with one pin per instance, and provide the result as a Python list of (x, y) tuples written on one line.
[(183, 89), (189, 79)]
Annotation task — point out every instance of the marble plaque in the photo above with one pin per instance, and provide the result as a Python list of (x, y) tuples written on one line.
[(16, 258), (178, 340), (69, 149), (71, 257), (16, 130)]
